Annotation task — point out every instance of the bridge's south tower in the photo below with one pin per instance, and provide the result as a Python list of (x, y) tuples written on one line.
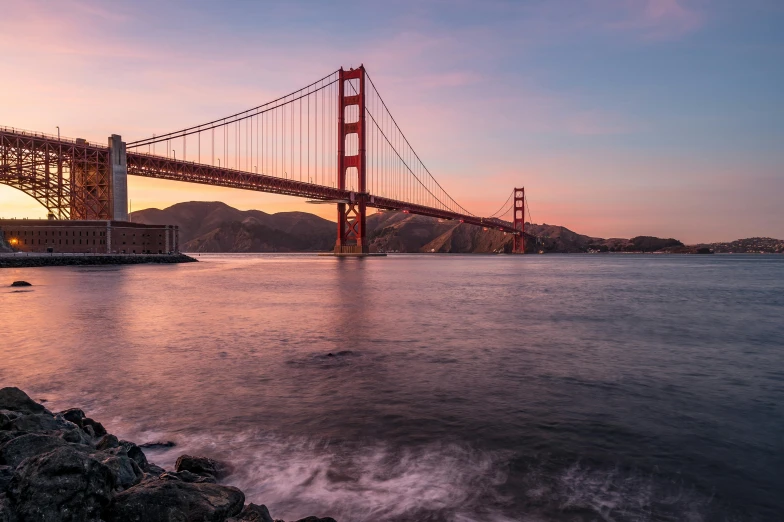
[(352, 237)]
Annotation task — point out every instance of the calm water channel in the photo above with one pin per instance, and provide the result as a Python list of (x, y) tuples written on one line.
[(460, 388)]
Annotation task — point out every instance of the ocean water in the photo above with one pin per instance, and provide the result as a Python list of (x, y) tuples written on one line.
[(433, 388)]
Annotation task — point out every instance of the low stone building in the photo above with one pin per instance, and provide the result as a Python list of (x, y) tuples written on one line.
[(89, 237)]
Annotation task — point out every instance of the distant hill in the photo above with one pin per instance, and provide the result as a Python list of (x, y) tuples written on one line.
[(217, 227), (752, 245)]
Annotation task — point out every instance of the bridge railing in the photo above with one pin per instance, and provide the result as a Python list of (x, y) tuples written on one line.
[(36, 134)]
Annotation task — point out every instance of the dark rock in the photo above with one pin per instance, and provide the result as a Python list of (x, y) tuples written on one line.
[(74, 415), (253, 513), (5, 436), (98, 429), (76, 436), (21, 283), (136, 454), (167, 500), (6, 417), (36, 422), (187, 476), (28, 445), (317, 519), (107, 441), (6, 514), (6, 473), (125, 470), (64, 485), (202, 466), (153, 469), (14, 399), (154, 445)]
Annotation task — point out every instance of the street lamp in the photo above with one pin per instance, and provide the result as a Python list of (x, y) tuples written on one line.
[(58, 133)]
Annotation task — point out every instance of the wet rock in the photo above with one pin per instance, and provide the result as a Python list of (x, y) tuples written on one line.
[(13, 452), (166, 500), (74, 415), (187, 476), (76, 436), (97, 428), (6, 514), (136, 454), (64, 485), (107, 441), (253, 513), (202, 466), (14, 399), (156, 445), (126, 472), (36, 422), (6, 474), (21, 283), (154, 469), (5, 436)]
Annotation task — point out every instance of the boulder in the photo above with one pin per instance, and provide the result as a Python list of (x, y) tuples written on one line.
[(97, 428), (155, 445), (14, 399), (171, 499), (253, 513), (13, 452), (187, 476), (107, 441), (6, 514), (36, 422), (21, 283), (202, 466), (64, 485), (6, 474), (74, 415), (136, 454), (125, 470)]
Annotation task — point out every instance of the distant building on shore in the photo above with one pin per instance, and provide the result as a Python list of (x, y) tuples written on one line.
[(89, 237)]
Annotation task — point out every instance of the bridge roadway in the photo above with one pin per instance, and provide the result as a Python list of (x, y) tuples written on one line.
[(153, 166), (29, 162)]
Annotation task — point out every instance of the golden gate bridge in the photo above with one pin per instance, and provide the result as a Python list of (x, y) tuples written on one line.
[(333, 141)]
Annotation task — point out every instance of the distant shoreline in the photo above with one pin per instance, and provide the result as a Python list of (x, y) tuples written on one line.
[(19, 260)]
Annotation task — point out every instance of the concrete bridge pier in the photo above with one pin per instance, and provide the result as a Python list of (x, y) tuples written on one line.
[(118, 172)]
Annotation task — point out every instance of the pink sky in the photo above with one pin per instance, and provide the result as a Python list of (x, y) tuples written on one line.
[(620, 117)]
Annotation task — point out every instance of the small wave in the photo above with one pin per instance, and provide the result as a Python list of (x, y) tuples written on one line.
[(438, 482)]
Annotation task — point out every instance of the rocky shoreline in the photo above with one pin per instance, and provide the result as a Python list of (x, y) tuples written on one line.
[(65, 467), (36, 260)]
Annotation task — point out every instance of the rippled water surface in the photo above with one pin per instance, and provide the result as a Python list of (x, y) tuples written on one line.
[(434, 388)]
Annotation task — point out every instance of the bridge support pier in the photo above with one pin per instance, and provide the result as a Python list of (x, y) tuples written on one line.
[(118, 169), (518, 222), (352, 237)]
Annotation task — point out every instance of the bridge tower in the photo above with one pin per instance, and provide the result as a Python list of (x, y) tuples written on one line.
[(351, 215), (518, 241)]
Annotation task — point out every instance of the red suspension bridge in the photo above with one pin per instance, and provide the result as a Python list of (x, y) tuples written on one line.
[(333, 141)]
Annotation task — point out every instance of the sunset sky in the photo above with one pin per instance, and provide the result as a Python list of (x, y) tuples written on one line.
[(620, 117)]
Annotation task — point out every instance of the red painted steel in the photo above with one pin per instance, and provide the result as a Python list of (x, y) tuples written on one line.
[(352, 215), (71, 178), (518, 221)]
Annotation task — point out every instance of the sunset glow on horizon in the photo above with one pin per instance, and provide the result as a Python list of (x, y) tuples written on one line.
[(620, 117)]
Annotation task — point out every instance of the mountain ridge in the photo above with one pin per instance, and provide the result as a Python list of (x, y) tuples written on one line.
[(213, 226)]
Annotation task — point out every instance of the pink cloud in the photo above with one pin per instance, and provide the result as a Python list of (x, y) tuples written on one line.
[(658, 19)]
